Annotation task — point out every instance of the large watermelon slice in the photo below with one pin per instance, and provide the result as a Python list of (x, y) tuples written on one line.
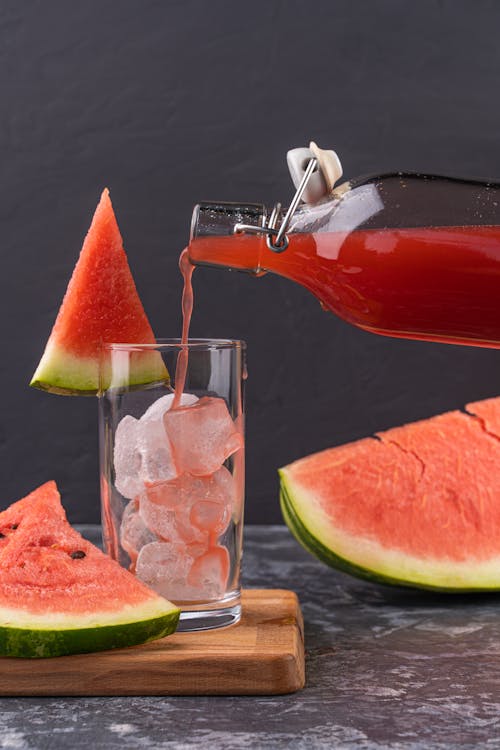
[(101, 305), (61, 595), (417, 505)]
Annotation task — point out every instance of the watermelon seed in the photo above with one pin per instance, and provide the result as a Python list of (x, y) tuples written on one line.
[(2, 536), (14, 526), (78, 555)]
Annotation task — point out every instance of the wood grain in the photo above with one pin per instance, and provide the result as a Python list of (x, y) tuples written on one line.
[(262, 655)]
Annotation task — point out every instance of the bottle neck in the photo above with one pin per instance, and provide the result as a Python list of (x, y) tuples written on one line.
[(215, 240)]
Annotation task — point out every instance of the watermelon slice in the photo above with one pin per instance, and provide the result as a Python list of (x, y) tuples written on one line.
[(61, 595), (417, 505), (101, 305)]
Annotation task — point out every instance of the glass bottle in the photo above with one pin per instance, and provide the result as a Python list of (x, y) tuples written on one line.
[(405, 255)]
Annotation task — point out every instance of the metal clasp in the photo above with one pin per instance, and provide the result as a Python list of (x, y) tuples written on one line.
[(277, 239)]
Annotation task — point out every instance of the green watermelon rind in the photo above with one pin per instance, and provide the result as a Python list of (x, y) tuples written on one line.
[(313, 544), (42, 642), (65, 374)]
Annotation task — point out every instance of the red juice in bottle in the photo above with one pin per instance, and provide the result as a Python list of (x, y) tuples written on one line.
[(388, 255), (437, 284)]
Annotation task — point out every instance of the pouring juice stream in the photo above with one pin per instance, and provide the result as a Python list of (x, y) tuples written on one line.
[(186, 268)]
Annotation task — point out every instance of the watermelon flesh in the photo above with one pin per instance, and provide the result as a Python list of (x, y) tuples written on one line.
[(60, 595), (416, 505), (101, 305)]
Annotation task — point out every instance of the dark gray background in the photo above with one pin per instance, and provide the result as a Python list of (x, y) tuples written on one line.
[(171, 102)]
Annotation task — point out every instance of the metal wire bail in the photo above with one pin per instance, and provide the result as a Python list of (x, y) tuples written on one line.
[(277, 239)]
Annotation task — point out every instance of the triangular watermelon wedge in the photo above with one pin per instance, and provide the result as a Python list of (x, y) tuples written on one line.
[(60, 595), (101, 305)]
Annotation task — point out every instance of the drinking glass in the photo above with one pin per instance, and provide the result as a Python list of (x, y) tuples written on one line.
[(172, 480)]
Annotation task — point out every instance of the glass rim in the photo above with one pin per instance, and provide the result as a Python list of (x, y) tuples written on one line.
[(176, 343)]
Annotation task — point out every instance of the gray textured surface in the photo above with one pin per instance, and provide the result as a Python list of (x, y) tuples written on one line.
[(386, 668), (173, 101)]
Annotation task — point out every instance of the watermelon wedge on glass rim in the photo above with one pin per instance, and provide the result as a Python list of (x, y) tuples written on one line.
[(60, 595), (101, 305)]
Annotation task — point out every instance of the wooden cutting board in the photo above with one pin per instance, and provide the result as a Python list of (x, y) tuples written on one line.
[(262, 655)]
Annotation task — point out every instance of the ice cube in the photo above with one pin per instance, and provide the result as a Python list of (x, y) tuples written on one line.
[(163, 404), (157, 462), (209, 573), (222, 487), (157, 459), (142, 451), (127, 458), (189, 507), (159, 519), (211, 510), (165, 509), (166, 494), (202, 436), (133, 532), (209, 516), (196, 549), (164, 566)]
